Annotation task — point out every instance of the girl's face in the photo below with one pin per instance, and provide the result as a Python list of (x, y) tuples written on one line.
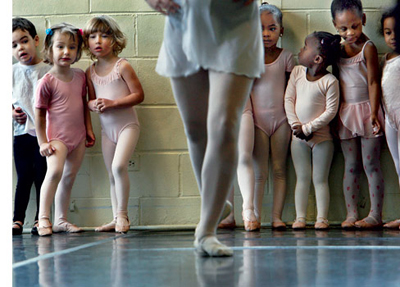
[(271, 30), (65, 49), (349, 25), (100, 44), (309, 52), (388, 32), (24, 47)]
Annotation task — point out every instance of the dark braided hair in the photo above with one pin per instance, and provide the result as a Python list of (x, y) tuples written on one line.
[(329, 46), (338, 6)]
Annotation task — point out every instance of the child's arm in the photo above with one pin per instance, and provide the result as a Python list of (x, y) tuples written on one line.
[(133, 83), (331, 108), (290, 103), (91, 92), (45, 148), (374, 84), (90, 137)]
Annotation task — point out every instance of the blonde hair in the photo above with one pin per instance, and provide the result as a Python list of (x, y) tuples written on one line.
[(62, 28), (104, 24)]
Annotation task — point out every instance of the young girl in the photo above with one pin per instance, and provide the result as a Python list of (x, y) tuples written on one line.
[(311, 102), (390, 93), (61, 108), (114, 90), (360, 116), (271, 131)]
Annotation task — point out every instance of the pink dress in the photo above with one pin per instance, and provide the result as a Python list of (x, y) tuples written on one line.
[(64, 104), (113, 87), (312, 104), (355, 108), (268, 94)]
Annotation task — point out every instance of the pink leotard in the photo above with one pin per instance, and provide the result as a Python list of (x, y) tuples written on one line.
[(113, 87), (312, 104), (355, 108), (268, 94), (64, 105)]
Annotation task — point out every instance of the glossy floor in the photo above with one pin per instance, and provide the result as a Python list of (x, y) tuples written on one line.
[(167, 258)]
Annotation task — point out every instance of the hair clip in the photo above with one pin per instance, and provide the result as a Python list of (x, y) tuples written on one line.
[(49, 32), (80, 31), (322, 42)]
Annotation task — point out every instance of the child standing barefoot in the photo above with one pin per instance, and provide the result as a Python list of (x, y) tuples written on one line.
[(360, 114), (114, 90), (269, 131), (390, 94), (29, 164), (311, 102), (63, 124)]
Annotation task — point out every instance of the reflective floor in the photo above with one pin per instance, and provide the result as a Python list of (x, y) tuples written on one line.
[(157, 258)]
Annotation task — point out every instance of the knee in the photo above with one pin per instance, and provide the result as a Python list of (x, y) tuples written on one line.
[(118, 169), (195, 132), (54, 174)]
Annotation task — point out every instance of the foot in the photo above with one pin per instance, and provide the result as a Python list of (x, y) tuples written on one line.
[(227, 210), (44, 228), (368, 223), (65, 226), (17, 228), (228, 223), (250, 220), (34, 229), (392, 224), (123, 224), (278, 225), (109, 227), (321, 224), (210, 246), (349, 223), (299, 223)]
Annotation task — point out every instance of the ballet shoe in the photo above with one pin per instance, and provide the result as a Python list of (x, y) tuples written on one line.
[(392, 224), (299, 224), (278, 225), (250, 225), (123, 225), (109, 227), (65, 226), (229, 225), (321, 224), (349, 223), (45, 228), (210, 246), (364, 224)]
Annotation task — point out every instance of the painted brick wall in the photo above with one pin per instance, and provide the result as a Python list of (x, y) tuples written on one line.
[(163, 188)]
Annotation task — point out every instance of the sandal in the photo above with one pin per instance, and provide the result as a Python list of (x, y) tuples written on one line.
[(299, 223), (34, 229), (17, 228)]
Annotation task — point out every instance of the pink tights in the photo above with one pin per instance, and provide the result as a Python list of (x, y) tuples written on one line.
[(358, 153)]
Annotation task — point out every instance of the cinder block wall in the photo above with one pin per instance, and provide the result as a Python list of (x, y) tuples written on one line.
[(163, 189)]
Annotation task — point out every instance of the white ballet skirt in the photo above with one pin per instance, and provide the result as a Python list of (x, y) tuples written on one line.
[(220, 35)]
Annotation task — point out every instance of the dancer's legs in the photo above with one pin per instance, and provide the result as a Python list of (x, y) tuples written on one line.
[(279, 150), (191, 94), (245, 170), (352, 172), (301, 156), (322, 154), (393, 142), (371, 154), (71, 167), (228, 94)]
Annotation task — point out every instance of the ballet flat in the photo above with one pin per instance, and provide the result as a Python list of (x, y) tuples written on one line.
[(45, 229), (210, 246), (299, 224), (362, 224), (321, 224), (67, 227), (123, 224), (109, 227), (392, 224), (278, 225), (250, 225)]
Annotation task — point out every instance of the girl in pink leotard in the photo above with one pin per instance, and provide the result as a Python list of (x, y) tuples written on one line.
[(264, 127), (114, 90), (61, 108), (360, 114)]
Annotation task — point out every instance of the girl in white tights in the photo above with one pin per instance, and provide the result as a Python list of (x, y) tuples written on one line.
[(264, 128), (114, 90), (212, 51), (311, 102)]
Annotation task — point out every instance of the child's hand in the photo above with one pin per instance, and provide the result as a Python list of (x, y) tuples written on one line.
[(102, 105), (19, 116), (298, 132), (165, 7), (46, 149), (90, 138), (376, 126)]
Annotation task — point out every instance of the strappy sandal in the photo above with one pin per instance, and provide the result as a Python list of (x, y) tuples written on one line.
[(17, 230)]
